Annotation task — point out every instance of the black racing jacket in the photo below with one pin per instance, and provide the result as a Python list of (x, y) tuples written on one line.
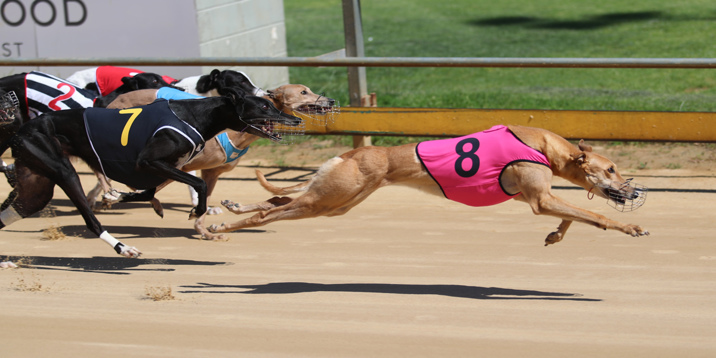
[(118, 136)]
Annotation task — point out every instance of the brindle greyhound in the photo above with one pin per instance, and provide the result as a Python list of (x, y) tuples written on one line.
[(343, 182), (42, 146)]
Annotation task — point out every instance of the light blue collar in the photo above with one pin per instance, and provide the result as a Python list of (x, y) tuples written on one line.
[(232, 153)]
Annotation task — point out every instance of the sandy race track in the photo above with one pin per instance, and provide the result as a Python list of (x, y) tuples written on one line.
[(402, 275)]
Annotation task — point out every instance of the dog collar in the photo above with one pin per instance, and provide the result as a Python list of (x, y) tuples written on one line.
[(232, 153)]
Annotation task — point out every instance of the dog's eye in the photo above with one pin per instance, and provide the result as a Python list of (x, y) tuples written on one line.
[(265, 107), (611, 170), (304, 92)]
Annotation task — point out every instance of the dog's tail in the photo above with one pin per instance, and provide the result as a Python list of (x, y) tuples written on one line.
[(281, 191)]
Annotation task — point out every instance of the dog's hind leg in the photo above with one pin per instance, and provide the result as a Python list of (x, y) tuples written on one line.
[(285, 212), (10, 198), (103, 186), (238, 209), (142, 195), (31, 194), (17, 206), (22, 202), (308, 205)]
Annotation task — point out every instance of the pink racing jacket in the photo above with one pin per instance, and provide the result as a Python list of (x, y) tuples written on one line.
[(468, 168)]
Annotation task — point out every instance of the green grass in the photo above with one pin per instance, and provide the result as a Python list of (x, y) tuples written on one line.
[(511, 28)]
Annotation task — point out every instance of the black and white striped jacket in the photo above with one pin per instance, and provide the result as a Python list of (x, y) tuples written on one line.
[(47, 93)]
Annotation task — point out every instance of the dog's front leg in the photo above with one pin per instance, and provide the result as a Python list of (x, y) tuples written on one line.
[(557, 236), (534, 183), (549, 204)]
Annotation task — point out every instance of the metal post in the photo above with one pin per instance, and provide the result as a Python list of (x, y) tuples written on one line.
[(357, 83)]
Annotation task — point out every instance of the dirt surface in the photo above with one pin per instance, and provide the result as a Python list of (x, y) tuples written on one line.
[(402, 275)]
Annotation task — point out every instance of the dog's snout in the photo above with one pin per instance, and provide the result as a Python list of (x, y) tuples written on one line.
[(291, 119), (638, 193)]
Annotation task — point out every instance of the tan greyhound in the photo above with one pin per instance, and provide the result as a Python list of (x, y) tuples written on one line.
[(343, 182)]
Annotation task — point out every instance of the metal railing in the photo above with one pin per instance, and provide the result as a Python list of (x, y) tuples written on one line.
[(536, 62), (610, 125)]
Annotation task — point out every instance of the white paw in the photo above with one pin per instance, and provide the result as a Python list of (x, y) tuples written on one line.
[(112, 196), (130, 252), (7, 264), (214, 210)]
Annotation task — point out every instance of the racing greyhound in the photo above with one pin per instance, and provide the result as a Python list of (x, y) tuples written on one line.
[(42, 147), (485, 168)]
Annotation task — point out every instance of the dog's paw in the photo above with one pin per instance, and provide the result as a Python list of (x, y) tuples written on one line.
[(215, 228), (214, 210), (130, 252), (635, 230), (232, 206), (553, 238), (211, 237), (112, 196), (196, 213), (7, 264)]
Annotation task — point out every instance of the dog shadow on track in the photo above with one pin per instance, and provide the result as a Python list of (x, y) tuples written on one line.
[(64, 207), (138, 232), (105, 265), (459, 291)]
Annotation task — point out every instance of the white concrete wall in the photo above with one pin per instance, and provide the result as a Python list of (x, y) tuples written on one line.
[(244, 28)]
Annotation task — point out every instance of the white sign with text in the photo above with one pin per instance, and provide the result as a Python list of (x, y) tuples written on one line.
[(99, 29)]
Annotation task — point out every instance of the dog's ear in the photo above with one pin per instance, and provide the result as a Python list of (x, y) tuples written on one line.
[(584, 146), (215, 76), (235, 94), (131, 82), (275, 94), (579, 158), (207, 82)]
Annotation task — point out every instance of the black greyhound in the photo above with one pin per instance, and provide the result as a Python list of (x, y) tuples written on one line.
[(207, 85), (41, 148), (217, 80)]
